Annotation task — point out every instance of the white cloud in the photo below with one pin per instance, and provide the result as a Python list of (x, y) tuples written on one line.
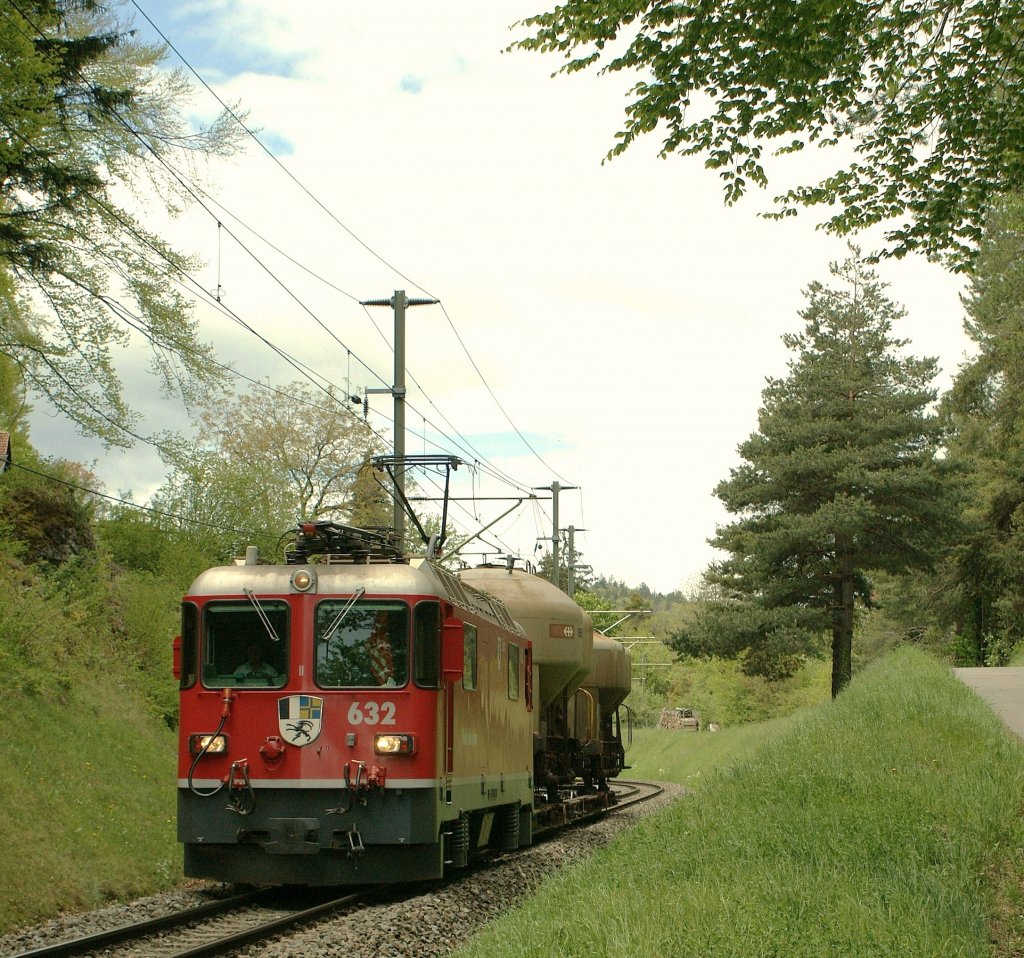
[(619, 310)]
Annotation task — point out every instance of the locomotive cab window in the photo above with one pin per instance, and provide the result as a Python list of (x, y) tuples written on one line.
[(237, 646), (361, 645)]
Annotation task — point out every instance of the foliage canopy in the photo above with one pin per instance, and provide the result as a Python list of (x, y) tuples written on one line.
[(930, 95), (265, 460), (87, 117)]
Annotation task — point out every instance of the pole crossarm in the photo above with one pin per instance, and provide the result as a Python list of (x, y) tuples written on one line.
[(390, 301), (478, 498), (420, 460)]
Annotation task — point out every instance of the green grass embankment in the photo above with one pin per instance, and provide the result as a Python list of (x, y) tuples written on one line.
[(87, 792), (886, 823), (87, 767), (690, 758)]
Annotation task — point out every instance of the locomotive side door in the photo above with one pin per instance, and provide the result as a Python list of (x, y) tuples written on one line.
[(453, 642)]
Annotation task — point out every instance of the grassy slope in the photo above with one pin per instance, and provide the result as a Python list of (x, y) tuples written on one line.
[(87, 789), (866, 827), (691, 759), (87, 767)]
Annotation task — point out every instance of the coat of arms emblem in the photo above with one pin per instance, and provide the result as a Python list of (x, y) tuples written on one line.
[(299, 718)]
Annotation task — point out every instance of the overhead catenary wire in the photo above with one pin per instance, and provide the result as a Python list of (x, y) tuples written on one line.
[(255, 137), (309, 193), (463, 443), (188, 187), (135, 322), (132, 320), (194, 191), (490, 391), (124, 313), (252, 134), (109, 301)]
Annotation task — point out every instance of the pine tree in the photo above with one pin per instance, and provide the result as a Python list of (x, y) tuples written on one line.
[(985, 416), (842, 478)]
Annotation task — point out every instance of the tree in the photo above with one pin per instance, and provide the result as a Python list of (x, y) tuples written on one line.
[(369, 504), (930, 95), (597, 607), (567, 558), (86, 115), (985, 417), (14, 404), (307, 439), (265, 460), (842, 478)]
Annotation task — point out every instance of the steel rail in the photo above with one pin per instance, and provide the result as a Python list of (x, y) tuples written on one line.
[(239, 939), (655, 790), (181, 919), (114, 936)]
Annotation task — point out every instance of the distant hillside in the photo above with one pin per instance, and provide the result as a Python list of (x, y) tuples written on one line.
[(618, 595)]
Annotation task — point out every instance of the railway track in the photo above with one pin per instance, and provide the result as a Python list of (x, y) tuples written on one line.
[(631, 793), (229, 924), (590, 806), (213, 928)]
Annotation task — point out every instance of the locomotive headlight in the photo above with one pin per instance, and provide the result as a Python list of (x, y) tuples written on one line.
[(394, 744), (213, 744), (303, 580)]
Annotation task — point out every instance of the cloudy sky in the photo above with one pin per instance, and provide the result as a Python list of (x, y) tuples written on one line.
[(623, 317)]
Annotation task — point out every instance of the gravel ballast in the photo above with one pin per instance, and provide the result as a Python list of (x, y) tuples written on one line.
[(433, 922)]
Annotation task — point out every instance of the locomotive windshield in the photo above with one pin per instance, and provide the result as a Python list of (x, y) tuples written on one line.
[(367, 645), (237, 645)]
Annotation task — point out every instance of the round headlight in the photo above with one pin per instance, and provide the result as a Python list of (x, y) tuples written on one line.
[(303, 580)]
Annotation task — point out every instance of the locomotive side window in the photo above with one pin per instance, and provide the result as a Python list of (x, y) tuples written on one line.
[(237, 648), (189, 635), (426, 648), (361, 645), (513, 672), (469, 658)]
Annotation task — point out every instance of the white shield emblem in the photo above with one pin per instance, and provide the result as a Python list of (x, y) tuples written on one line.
[(299, 718)]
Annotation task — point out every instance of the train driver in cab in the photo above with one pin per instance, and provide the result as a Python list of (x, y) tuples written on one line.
[(256, 669)]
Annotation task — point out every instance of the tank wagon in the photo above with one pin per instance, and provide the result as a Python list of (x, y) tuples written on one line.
[(355, 716), (599, 726), (582, 680), (562, 636)]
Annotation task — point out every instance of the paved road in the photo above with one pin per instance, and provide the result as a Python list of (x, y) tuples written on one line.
[(1003, 689)]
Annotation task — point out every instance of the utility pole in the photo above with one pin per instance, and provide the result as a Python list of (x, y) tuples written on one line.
[(398, 302), (570, 562), (555, 488)]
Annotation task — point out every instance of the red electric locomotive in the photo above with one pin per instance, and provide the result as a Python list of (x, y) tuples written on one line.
[(358, 719)]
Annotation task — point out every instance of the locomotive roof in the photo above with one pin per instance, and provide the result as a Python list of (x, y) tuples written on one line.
[(419, 577)]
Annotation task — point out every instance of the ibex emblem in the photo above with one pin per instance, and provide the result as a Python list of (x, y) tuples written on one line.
[(299, 718)]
